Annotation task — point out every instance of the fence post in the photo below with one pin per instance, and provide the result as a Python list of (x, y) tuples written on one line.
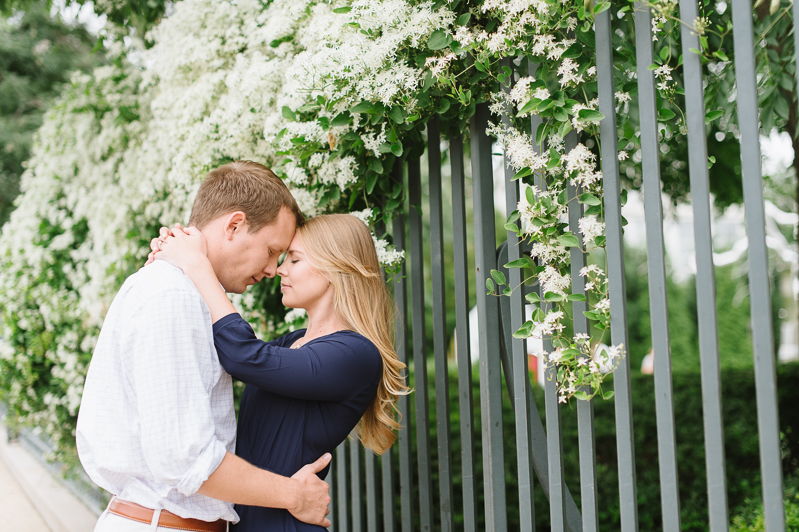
[(759, 285), (615, 254), (488, 314)]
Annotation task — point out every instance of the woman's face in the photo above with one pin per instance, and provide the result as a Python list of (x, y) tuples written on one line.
[(302, 285)]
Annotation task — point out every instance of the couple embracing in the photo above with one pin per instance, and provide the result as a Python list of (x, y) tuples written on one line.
[(157, 427)]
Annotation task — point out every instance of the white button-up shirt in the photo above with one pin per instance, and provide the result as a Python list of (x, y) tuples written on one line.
[(157, 414)]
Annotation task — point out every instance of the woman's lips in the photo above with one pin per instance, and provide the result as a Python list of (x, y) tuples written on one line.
[(284, 286)]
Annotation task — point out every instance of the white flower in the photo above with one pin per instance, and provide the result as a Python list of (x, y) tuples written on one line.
[(590, 228), (365, 216), (552, 281), (623, 155)]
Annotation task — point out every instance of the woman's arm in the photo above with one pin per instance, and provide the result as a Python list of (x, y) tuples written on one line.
[(187, 252), (329, 369)]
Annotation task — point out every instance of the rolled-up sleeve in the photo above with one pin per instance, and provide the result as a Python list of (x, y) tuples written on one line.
[(172, 372)]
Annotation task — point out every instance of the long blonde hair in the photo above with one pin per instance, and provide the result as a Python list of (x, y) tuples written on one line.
[(341, 248)]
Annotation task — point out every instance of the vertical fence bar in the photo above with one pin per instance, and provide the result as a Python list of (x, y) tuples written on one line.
[(518, 352), (585, 409), (341, 486), (439, 327), (557, 484), (461, 275), (705, 274), (625, 447), (331, 481), (759, 285), (386, 467), (371, 490), (488, 314), (355, 486), (656, 266), (419, 345), (387, 471), (403, 403)]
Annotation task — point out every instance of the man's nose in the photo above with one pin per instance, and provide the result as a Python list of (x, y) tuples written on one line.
[(270, 269)]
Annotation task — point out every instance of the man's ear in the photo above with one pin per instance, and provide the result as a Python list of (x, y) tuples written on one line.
[(236, 222)]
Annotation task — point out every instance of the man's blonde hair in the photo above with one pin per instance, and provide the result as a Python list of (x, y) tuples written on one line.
[(243, 186), (341, 248)]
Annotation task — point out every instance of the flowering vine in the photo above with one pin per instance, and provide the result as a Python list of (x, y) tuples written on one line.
[(331, 95)]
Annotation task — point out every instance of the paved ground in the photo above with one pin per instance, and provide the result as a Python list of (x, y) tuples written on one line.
[(16, 510), (32, 500)]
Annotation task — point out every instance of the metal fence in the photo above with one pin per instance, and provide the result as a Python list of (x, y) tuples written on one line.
[(367, 496)]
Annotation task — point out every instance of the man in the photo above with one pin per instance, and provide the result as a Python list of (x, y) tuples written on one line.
[(156, 426)]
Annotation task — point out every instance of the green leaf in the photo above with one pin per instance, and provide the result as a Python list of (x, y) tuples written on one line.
[(576, 297), (384, 148), (589, 199), (313, 106), (781, 106), (552, 297), (599, 8), (518, 263), (396, 149), (438, 40), (525, 330), (608, 395), (666, 114), (443, 106), (362, 107), (463, 19), (515, 215), (371, 181), (376, 165), (721, 55), (397, 115), (569, 240), (532, 297), (288, 113), (600, 240), (345, 9), (341, 119), (581, 396), (529, 106), (499, 277), (490, 286), (590, 315), (512, 227), (530, 195), (561, 115), (710, 162), (590, 114)]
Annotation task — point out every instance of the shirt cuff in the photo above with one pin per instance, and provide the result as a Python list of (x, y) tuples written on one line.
[(206, 463), (221, 322)]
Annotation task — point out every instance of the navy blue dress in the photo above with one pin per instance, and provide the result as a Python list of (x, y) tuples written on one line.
[(298, 403)]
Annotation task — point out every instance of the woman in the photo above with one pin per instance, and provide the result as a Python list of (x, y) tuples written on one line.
[(309, 389)]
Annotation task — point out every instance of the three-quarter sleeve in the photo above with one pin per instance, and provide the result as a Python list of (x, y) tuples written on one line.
[(170, 368), (326, 369)]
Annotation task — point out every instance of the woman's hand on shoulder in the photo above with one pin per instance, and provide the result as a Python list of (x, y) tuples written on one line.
[(182, 247)]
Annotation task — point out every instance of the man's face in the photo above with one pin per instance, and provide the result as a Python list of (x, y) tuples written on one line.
[(249, 257)]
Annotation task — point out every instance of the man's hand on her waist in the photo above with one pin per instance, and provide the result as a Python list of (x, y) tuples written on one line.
[(313, 494)]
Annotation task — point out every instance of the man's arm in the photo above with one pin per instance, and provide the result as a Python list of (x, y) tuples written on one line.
[(304, 494)]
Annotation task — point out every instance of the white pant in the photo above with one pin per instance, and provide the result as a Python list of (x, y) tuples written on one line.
[(109, 522)]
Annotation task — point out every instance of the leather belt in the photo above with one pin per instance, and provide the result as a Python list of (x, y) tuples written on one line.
[(135, 512)]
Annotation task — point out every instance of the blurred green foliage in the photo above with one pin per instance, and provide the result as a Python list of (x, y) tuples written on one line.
[(38, 52), (739, 412)]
